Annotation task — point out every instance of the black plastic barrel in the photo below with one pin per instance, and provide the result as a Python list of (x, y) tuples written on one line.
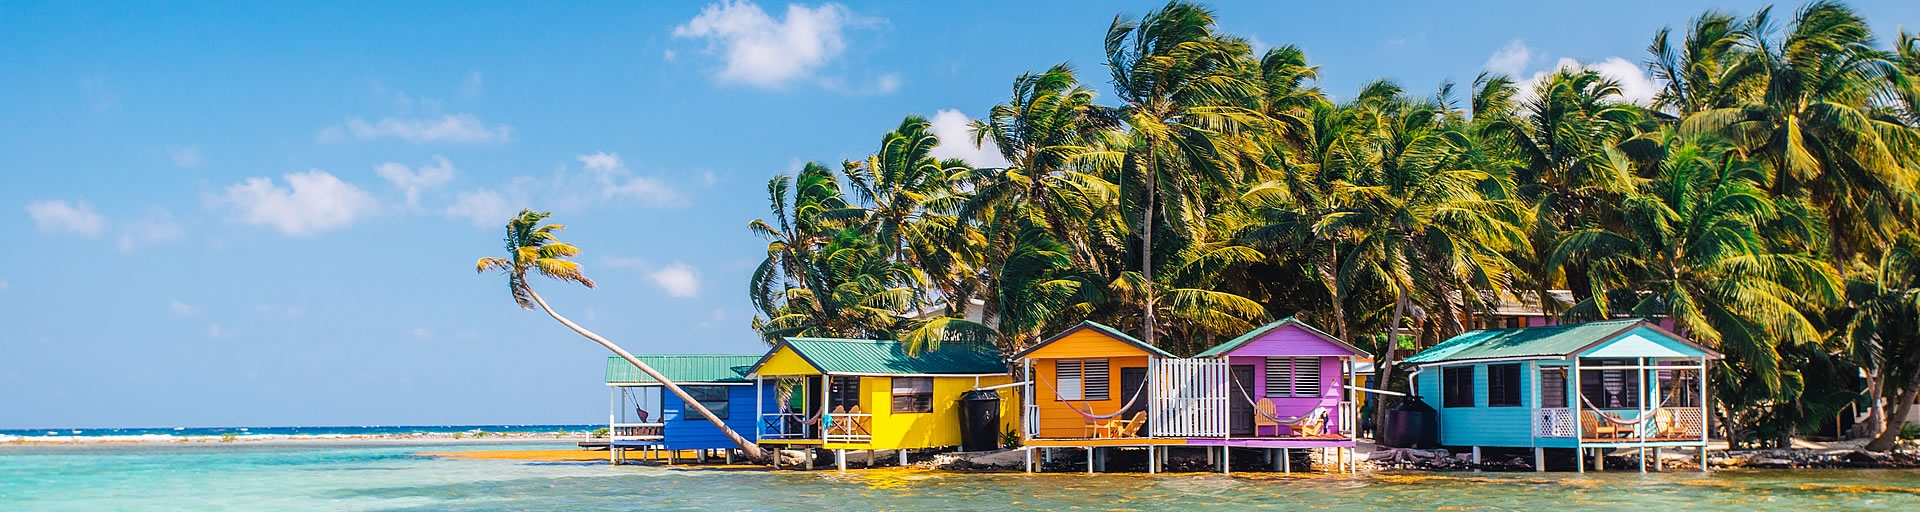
[(1410, 424), (979, 421)]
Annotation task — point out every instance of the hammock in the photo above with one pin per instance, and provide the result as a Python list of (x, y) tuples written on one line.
[(1096, 417), (1636, 422), (1295, 422)]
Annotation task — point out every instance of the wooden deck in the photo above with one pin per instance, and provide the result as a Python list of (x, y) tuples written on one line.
[(1104, 442), (1276, 442)]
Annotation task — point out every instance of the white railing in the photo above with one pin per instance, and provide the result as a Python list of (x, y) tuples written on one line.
[(1349, 417), (786, 425), (849, 428), (1690, 422), (1555, 422), (1188, 398), (1031, 421), (637, 431)]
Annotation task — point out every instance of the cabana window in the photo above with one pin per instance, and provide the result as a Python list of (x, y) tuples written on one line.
[(1503, 385), (1609, 389), (1081, 379), (1293, 376), (1456, 385), (844, 392), (714, 398), (1553, 388), (912, 394)]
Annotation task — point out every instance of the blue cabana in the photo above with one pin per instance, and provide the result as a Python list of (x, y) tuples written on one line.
[(644, 415), (1590, 387)]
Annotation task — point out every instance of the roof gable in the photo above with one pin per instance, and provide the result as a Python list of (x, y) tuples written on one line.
[(1271, 339), (1089, 325), (889, 357), (1563, 341), (681, 368)]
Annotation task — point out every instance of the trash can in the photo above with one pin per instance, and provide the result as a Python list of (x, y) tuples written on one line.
[(979, 421), (1410, 424)]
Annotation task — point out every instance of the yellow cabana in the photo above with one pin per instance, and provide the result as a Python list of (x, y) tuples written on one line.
[(843, 394)]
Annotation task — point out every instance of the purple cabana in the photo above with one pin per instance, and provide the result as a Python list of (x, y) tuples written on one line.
[(1287, 390)]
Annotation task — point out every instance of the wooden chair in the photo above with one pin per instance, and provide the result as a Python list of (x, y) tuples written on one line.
[(837, 421), (1592, 426), (1315, 424), (1262, 419), (1132, 429), (856, 423), (1093, 427), (1663, 423)]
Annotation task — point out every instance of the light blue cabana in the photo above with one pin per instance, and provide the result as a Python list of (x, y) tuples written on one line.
[(1591, 387)]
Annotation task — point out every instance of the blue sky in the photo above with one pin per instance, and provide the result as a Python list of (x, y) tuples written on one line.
[(247, 214)]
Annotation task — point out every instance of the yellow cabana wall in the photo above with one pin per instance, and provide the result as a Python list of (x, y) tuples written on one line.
[(785, 362), (941, 427)]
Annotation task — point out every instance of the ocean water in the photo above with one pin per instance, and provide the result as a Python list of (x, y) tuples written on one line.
[(170, 433), (320, 476)]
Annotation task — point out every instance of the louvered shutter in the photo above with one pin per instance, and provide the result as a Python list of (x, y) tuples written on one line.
[(1306, 376), (1096, 379)]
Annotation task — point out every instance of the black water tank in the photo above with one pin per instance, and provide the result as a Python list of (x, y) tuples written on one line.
[(979, 421), (1410, 424)]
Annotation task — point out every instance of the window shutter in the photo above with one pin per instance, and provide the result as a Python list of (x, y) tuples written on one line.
[(1279, 376), (1066, 379), (1306, 376), (1096, 379), (1553, 388)]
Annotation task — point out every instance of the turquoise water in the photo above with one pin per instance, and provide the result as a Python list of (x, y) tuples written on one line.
[(345, 477)]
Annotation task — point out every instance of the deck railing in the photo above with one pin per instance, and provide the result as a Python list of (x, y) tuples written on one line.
[(1032, 421), (1688, 423), (1188, 398), (849, 428), (1555, 422), (786, 425), (1349, 416), (637, 431)]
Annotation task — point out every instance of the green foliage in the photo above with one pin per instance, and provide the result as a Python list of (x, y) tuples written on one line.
[(1762, 202), (1010, 439), (599, 433), (229, 437)]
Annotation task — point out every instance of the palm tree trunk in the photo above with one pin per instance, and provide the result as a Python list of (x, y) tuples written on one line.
[(1147, 324), (1325, 266), (752, 450), (1384, 364), (1891, 434)]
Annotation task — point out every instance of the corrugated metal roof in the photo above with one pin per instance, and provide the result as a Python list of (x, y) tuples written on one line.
[(834, 355), (682, 368), (1557, 340), (1224, 348)]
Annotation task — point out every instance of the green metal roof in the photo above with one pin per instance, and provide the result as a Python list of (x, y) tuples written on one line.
[(889, 357), (1554, 341), (1104, 329), (1230, 345), (682, 368)]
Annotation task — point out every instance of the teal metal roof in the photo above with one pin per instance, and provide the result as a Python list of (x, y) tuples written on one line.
[(1550, 341), (682, 368), (889, 357), (1230, 345), (1103, 329)]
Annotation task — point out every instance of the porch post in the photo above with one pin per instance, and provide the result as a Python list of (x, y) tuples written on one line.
[(1286, 461), (1640, 430), (613, 407), (1539, 459), (1703, 415), (759, 408)]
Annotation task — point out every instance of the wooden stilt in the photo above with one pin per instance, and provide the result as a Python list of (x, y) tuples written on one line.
[(1539, 459), (1029, 459), (1703, 458), (1226, 460), (903, 457), (1153, 461), (1286, 460), (1089, 461), (1643, 459), (1476, 459), (870, 457), (1657, 463), (1579, 460), (840, 459)]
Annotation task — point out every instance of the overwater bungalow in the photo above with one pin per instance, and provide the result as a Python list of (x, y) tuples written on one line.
[(844, 394), (1288, 391), (643, 415), (1094, 387), (1591, 387)]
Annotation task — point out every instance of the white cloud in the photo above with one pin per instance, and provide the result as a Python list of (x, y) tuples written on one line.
[(413, 181), (486, 208), (765, 52), (956, 140), (678, 280), (213, 330), (473, 85), (449, 128), (1511, 60), (312, 201), (59, 216), (186, 157), (182, 308), (158, 225), (1635, 86), (615, 182), (422, 333), (888, 83)]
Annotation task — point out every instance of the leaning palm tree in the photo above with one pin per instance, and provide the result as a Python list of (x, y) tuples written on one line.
[(532, 248)]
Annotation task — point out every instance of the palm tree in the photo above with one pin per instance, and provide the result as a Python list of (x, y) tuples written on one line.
[(1883, 325), (1187, 93), (532, 247), (1696, 249)]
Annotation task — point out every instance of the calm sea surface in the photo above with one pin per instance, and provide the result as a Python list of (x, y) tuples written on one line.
[(390, 477)]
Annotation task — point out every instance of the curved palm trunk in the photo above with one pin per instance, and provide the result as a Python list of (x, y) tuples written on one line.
[(1890, 435), (1383, 366), (752, 450), (1147, 325), (1329, 278)]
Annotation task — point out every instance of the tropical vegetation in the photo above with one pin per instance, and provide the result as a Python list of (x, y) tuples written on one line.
[(1762, 203)]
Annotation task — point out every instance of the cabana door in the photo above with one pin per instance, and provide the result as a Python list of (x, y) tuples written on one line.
[(1239, 410), (1130, 385)]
